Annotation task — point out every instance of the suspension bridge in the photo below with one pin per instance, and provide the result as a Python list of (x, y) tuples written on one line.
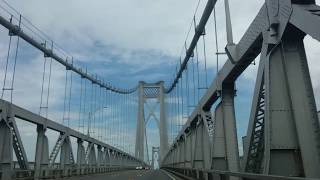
[(99, 131)]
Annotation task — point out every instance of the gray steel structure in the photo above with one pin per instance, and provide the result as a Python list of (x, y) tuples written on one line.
[(283, 136), (151, 91), (155, 151), (107, 158)]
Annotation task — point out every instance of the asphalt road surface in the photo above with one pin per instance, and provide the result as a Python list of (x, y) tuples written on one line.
[(130, 175)]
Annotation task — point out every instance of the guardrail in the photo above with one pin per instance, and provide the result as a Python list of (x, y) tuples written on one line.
[(60, 173), (99, 157), (202, 174)]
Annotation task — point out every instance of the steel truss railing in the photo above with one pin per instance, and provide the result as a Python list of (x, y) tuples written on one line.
[(192, 174), (108, 158)]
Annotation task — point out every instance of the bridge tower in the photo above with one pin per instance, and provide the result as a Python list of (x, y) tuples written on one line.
[(151, 91), (155, 151)]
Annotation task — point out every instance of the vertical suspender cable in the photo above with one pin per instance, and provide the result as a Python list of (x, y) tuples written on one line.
[(99, 111), (216, 40), (179, 106), (42, 85), (182, 102), (65, 98), (109, 117), (177, 109), (187, 91), (113, 119), (15, 63), (70, 94), (93, 113), (205, 60), (80, 104), (84, 105), (105, 116), (198, 73), (90, 111), (49, 86), (193, 83), (6, 66)]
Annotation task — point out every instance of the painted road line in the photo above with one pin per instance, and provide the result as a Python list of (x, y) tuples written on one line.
[(168, 174)]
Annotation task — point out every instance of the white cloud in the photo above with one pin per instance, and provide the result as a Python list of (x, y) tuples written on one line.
[(129, 24)]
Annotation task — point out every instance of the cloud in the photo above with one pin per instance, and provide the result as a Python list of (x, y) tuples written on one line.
[(129, 24)]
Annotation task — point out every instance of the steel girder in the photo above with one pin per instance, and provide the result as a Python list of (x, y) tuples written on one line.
[(289, 142), (280, 27), (283, 134)]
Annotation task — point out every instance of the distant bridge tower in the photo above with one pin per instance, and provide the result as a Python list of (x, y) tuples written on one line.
[(151, 91), (155, 157)]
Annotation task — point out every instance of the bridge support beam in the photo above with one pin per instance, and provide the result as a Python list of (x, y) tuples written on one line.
[(118, 159), (225, 153), (107, 162), (6, 151), (232, 151), (42, 153), (66, 156), (283, 133), (100, 159), (112, 158), (105, 158), (163, 124), (10, 140), (181, 154), (92, 158), (81, 155)]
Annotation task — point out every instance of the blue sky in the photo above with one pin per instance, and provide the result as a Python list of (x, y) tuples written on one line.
[(125, 42)]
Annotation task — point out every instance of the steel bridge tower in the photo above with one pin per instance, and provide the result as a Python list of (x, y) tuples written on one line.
[(155, 151), (151, 91)]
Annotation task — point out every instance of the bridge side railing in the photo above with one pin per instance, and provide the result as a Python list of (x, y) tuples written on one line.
[(61, 173), (108, 158), (192, 173)]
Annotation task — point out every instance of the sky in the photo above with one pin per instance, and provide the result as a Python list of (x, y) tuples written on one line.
[(125, 42)]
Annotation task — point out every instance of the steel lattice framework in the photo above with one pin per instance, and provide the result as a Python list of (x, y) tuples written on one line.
[(283, 135)]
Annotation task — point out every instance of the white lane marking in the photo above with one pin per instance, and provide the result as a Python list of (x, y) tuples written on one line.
[(168, 174)]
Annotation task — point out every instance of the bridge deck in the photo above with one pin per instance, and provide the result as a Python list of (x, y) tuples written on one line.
[(130, 175)]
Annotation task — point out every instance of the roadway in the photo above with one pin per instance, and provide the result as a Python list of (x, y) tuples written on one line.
[(130, 175)]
